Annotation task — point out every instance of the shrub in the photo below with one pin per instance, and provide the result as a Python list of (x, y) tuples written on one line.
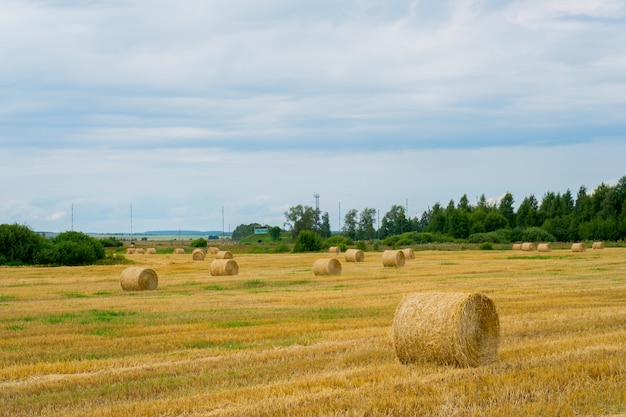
[(361, 245), (282, 248), (499, 236), (338, 240), (537, 234), (19, 245), (199, 243), (308, 241), (486, 246), (111, 242), (76, 248)]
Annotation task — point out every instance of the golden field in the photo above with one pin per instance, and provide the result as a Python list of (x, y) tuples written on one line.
[(276, 340)]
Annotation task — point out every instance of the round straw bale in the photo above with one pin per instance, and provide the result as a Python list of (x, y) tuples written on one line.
[(393, 258), (140, 251), (446, 328), (408, 253), (224, 267), (213, 250), (223, 254), (544, 247), (151, 251), (198, 255), (179, 251), (139, 278), (529, 246), (330, 266), (579, 247), (517, 246), (130, 251), (597, 245), (334, 249), (355, 255)]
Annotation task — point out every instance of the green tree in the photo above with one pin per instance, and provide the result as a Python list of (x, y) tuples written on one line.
[(324, 228), (299, 218), (394, 222), (437, 220), (464, 204), (243, 230), (477, 221), (350, 223), (366, 229), (274, 233), (506, 208), (526, 215), (494, 220)]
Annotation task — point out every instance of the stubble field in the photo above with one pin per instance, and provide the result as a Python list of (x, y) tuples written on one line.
[(276, 340)]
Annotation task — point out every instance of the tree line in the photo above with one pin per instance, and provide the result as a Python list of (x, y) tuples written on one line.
[(596, 215)]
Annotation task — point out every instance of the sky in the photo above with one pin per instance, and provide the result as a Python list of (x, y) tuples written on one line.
[(203, 115)]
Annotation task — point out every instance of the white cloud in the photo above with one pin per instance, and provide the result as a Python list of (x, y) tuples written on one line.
[(56, 216), (182, 109)]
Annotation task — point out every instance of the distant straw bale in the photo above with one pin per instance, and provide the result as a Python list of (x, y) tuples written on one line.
[(517, 246), (529, 246), (579, 247), (334, 249), (355, 255), (139, 278), (151, 251), (224, 267), (597, 245), (393, 258), (213, 250), (198, 254), (130, 251), (330, 266), (446, 328), (408, 253), (179, 251), (140, 251), (223, 254), (544, 247)]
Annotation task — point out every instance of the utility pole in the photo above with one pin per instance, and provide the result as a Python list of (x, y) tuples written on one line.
[(339, 217), (317, 210)]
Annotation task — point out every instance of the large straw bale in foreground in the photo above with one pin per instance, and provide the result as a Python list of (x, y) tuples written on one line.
[(544, 247), (198, 255), (408, 253), (224, 267), (597, 245), (223, 254), (446, 328), (355, 255), (393, 258), (579, 247), (329, 266), (334, 249), (139, 278)]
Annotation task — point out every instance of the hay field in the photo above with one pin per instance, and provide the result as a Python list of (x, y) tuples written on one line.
[(276, 340)]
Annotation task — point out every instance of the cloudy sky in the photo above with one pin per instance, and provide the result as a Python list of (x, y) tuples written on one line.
[(186, 109)]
